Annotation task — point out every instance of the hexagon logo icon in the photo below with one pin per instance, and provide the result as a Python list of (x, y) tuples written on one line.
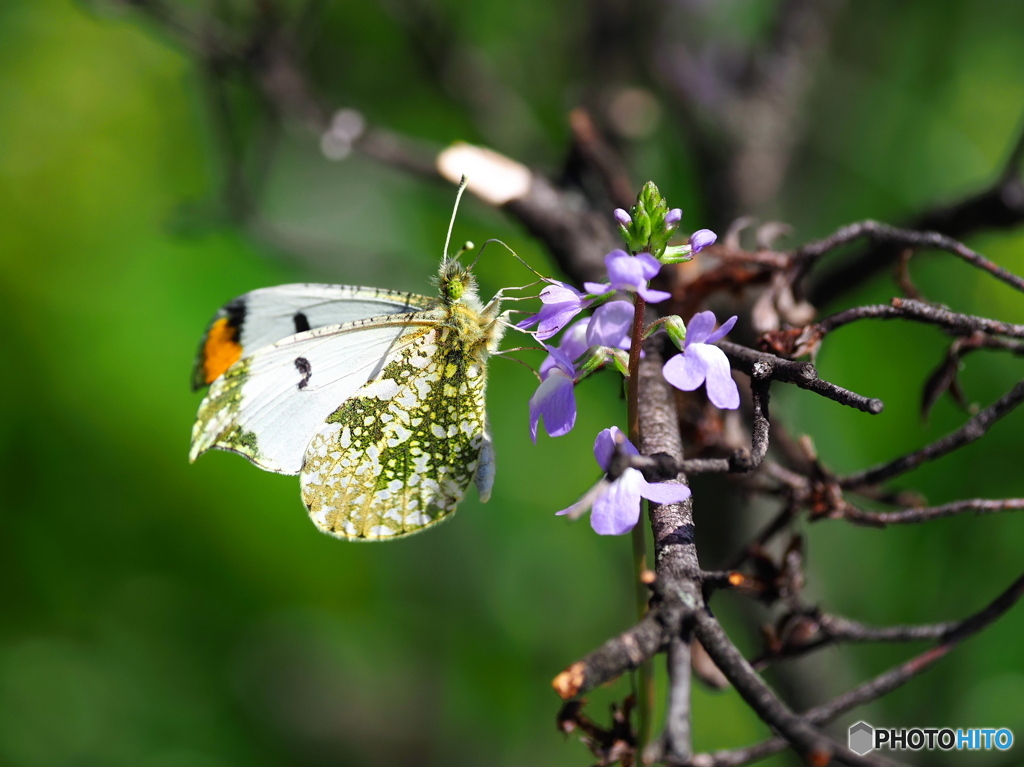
[(861, 738)]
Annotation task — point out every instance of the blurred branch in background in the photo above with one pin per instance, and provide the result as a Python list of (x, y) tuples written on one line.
[(741, 111)]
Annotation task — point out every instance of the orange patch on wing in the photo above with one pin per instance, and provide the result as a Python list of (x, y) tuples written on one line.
[(221, 349)]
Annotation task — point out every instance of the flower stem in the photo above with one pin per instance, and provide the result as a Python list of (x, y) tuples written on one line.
[(645, 686), (633, 383)]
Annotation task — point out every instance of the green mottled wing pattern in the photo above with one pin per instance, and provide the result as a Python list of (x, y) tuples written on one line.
[(398, 455), (218, 415)]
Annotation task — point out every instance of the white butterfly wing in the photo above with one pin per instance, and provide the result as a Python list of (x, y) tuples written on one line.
[(265, 316), (269, 404)]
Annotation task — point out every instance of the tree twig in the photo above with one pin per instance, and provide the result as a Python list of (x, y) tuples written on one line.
[(877, 687), (926, 513), (974, 429), (909, 309), (814, 746), (764, 366), (999, 206), (903, 238), (612, 659)]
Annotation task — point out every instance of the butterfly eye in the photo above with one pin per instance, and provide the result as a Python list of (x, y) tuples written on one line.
[(455, 289)]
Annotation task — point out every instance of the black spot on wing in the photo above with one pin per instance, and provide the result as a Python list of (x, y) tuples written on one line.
[(235, 312), (303, 366), (301, 322)]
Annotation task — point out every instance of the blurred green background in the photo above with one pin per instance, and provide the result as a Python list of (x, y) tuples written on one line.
[(158, 614)]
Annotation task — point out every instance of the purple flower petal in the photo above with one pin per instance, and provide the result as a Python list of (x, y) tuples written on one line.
[(665, 492), (604, 446), (702, 239), (597, 288), (685, 371), (529, 322), (618, 509), (555, 401), (562, 360), (622, 217), (561, 303), (722, 389), (630, 273), (616, 504), (653, 296), (574, 339), (673, 217), (649, 264), (583, 505), (558, 292), (625, 272), (699, 328), (611, 325), (554, 317), (703, 362), (723, 331), (572, 345)]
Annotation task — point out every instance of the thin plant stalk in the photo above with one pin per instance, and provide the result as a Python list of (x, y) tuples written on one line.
[(645, 685)]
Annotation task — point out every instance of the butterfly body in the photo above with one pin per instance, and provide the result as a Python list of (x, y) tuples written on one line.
[(382, 413)]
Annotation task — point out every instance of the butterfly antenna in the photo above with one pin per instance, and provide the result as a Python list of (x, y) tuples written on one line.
[(451, 224), (466, 247), (514, 254)]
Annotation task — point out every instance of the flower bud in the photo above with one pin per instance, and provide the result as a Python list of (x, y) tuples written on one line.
[(702, 239), (676, 329)]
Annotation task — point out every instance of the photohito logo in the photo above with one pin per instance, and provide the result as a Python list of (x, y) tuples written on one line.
[(863, 738)]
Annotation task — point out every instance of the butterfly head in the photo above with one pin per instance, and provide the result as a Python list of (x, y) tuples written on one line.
[(456, 282)]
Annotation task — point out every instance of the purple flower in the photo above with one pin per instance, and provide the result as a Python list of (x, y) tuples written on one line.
[(616, 503), (630, 273), (611, 325), (673, 217), (561, 303), (622, 217), (555, 399), (702, 239), (572, 345), (701, 362)]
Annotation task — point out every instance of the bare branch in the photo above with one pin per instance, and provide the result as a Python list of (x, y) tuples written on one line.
[(616, 656), (878, 687), (974, 429), (834, 629), (761, 365), (760, 395), (909, 309), (676, 742), (903, 238), (926, 513), (814, 746), (1000, 206)]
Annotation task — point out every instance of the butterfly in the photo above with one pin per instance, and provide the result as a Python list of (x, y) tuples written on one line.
[(375, 398)]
